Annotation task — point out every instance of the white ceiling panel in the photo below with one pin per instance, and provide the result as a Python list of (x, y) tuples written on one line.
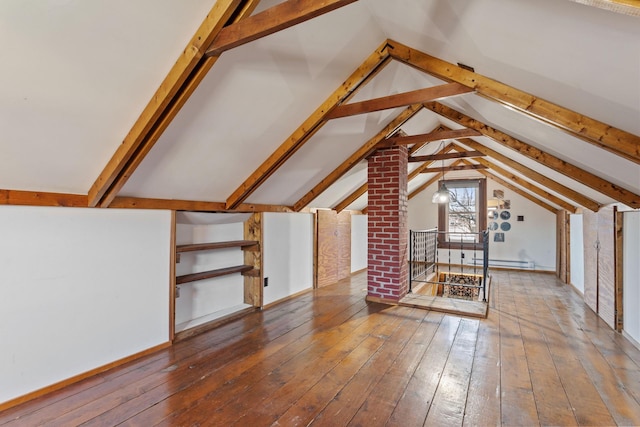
[(74, 77), (77, 74)]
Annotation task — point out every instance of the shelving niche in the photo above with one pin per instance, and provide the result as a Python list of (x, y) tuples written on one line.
[(193, 247), (218, 269)]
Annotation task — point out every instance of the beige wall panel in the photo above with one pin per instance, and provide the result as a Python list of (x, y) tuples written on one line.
[(606, 265), (590, 225), (344, 245), (327, 247)]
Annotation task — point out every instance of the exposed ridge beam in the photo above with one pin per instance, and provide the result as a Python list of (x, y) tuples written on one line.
[(432, 136), (41, 198), (453, 168), (191, 205), (515, 189), (617, 141), (272, 20), (577, 174), (534, 176), (398, 100), (175, 89), (446, 156), (527, 185), (365, 150), (351, 197), (365, 72)]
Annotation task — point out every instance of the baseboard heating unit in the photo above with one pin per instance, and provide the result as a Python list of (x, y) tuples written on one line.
[(506, 263)]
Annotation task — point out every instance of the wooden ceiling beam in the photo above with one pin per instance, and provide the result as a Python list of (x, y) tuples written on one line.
[(440, 135), (625, 7), (175, 89), (399, 100), (414, 174), (453, 168), (516, 190), (363, 74), (40, 198), (617, 141), (577, 174), (446, 156), (417, 171), (534, 176), (192, 205), (351, 197), (431, 181), (272, 20), (418, 145), (365, 150), (527, 185), (365, 187)]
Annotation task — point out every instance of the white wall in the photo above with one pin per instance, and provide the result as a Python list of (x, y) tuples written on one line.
[(577, 252), (205, 300), (423, 214), (359, 239), (631, 275), (80, 288), (532, 240), (288, 254)]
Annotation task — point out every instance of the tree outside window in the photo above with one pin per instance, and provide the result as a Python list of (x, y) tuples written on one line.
[(463, 213)]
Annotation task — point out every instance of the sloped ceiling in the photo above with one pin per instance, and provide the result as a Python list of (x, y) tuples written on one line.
[(77, 74)]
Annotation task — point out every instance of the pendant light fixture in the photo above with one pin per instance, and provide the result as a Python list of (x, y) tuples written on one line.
[(442, 195)]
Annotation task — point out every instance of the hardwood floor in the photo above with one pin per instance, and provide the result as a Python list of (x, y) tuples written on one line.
[(328, 358)]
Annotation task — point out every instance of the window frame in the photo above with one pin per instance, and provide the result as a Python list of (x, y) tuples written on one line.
[(481, 219)]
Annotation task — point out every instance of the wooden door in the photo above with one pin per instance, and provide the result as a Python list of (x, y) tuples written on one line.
[(606, 265), (600, 263), (333, 247), (562, 247), (327, 244), (344, 245), (590, 227)]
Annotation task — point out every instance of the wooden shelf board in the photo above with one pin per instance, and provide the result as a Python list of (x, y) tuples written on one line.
[(215, 245), (212, 273)]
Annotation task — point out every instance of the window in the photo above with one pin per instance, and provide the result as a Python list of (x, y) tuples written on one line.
[(465, 212)]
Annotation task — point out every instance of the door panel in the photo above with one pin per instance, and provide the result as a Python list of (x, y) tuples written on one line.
[(344, 245), (327, 247), (334, 246), (606, 265), (590, 226)]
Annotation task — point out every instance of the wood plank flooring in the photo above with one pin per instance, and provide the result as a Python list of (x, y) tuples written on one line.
[(328, 358), (454, 306)]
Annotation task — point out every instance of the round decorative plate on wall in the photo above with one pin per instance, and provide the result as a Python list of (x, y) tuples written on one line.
[(505, 226), (505, 215)]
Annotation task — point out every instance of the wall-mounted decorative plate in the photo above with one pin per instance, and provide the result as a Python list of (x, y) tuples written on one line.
[(505, 226), (505, 215)]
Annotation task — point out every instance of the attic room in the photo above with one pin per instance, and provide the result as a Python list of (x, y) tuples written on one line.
[(207, 210)]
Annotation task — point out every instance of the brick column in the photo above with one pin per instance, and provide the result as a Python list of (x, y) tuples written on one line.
[(388, 270)]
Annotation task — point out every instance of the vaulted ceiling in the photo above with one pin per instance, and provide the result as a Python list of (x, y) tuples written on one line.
[(118, 104)]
